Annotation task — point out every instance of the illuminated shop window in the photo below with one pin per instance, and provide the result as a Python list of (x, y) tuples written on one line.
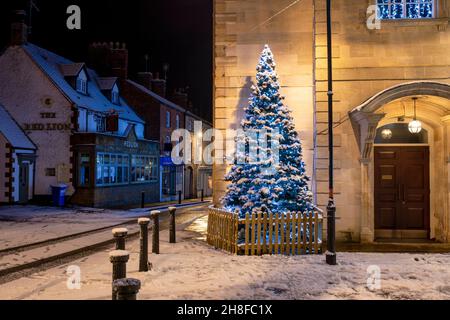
[(169, 178), (406, 9), (112, 169), (144, 169)]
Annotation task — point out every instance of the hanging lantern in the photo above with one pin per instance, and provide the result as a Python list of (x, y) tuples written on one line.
[(415, 126), (386, 134)]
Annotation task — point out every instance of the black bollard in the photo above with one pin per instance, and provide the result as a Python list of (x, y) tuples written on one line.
[(127, 289), (179, 196), (155, 242), (172, 212), (203, 195), (120, 234), (143, 199), (119, 259), (143, 255)]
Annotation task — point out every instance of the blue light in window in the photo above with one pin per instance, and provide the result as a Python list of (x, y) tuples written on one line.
[(405, 9)]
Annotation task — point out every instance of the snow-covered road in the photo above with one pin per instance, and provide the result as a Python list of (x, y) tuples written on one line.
[(192, 270)]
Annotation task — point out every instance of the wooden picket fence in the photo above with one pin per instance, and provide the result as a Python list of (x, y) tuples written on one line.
[(290, 234)]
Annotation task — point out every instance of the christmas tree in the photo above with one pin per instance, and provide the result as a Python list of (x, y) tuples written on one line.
[(253, 186)]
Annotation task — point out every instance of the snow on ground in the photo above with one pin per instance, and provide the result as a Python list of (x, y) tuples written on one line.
[(191, 269), (21, 225)]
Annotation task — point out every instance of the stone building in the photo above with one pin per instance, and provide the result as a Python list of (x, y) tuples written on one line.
[(386, 186), (198, 173), (86, 134)]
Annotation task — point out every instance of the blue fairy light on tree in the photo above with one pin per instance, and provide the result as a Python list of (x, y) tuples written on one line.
[(252, 188)]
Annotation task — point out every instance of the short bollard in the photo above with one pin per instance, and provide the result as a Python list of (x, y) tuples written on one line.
[(143, 199), (155, 242), (119, 259), (120, 234), (172, 212), (179, 197), (143, 255), (203, 195), (126, 289)]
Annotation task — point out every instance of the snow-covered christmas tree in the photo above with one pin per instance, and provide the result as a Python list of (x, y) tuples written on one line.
[(253, 187)]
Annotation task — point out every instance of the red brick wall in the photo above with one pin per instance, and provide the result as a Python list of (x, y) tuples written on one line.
[(146, 107), (153, 113), (173, 125)]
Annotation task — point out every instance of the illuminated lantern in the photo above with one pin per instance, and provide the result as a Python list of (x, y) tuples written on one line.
[(386, 134), (415, 126)]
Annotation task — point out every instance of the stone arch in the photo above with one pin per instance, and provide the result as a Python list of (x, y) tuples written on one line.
[(365, 119)]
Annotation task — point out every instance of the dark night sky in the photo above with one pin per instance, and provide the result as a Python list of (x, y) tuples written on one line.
[(175, 31)]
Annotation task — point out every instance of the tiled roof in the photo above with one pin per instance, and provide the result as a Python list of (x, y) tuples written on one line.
[(12, 131), (95, 101), (71, 69), (106, 83), (156, 96)]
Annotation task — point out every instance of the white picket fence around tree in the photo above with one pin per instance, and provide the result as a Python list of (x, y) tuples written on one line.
[(292, 233)]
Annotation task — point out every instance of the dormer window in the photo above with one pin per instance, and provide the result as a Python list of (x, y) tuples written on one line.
[(115, 96), (406, 9), (82, 82)]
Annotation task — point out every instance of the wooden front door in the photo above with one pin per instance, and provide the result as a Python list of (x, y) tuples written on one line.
[(24, 182), (402, 192)]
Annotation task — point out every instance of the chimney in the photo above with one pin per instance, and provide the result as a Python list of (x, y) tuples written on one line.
[(180, 98), (159, 86), (109, 59), (145, 79), (19, 29)]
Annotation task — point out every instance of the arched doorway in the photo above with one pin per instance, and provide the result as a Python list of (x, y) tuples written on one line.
[(402, 182), (392, 202)]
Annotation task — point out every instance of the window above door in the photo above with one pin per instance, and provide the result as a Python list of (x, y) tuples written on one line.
[(398, 133)]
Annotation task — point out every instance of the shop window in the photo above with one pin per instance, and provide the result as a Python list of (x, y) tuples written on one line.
[(144, 169), (169, 177), (112, 169), (406, 9), (84, 169)]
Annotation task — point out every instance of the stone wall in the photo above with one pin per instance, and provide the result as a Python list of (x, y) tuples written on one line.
[(366, 62), (242, 28)]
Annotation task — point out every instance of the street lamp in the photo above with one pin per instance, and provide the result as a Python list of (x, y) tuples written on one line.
[(331, 208)]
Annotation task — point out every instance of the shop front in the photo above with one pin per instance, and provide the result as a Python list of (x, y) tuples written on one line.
[(113, 171), (171, 180)]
